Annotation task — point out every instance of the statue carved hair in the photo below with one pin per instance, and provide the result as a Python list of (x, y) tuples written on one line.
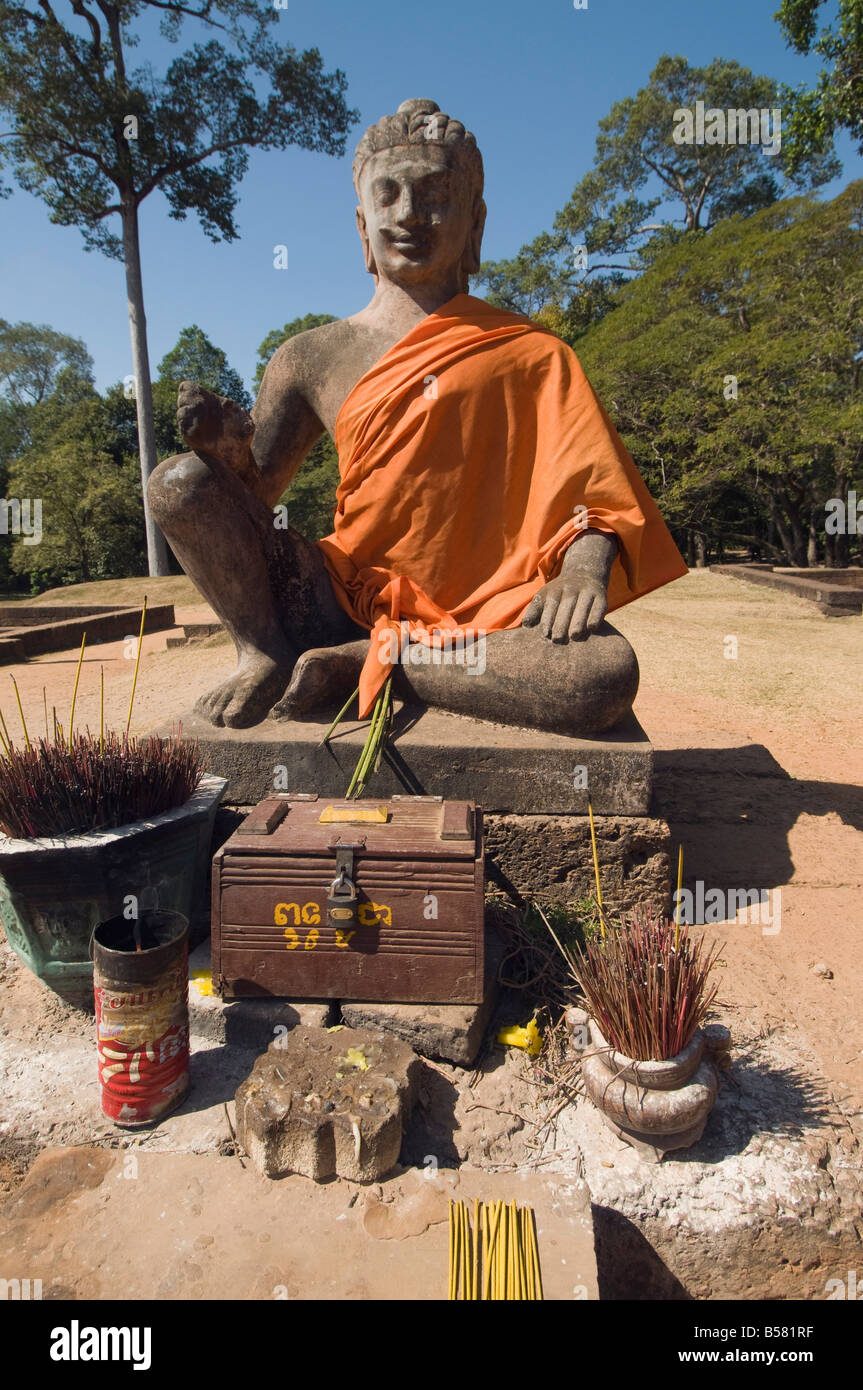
[(419, 121), (415, 122)]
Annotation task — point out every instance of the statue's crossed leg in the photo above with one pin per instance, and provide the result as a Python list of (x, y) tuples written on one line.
[(299, 653)]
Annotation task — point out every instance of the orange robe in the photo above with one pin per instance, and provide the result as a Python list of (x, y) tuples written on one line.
[(465, 454)]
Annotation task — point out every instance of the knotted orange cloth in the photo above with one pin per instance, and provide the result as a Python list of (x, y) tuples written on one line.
[(467, 455)]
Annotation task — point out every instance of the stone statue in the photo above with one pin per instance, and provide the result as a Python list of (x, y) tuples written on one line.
[(485, 496)]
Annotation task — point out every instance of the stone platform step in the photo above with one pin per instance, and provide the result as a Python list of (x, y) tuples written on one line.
[(433, 753)]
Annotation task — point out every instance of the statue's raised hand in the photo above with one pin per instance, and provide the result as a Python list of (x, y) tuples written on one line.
[(217, 427)]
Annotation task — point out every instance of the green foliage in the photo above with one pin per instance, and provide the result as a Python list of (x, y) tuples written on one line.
[(32, 356), (811, 116), (69, 93), (91, 515), (645, 191), (775, 301), (195, 358), (311, 497), (94, 137)]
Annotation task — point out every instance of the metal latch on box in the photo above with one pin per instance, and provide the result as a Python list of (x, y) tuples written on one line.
[(342, 899)]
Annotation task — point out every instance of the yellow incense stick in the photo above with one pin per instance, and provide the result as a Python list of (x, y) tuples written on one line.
[(527, 1271), (7, 742), (75, 691), (484, 1217), (491, 1221), (101, 709), (137, 664), (475, 1289), (45, 703), (537, 1273), (21, 712), (596, 870)]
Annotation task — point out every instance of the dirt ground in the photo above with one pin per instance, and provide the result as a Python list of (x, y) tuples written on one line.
[(770, 795), (753, 702)]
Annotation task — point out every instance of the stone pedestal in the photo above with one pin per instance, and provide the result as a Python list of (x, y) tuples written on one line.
[(533, 787), (432, 753), (551, 856)]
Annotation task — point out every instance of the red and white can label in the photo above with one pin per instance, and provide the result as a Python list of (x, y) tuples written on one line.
[(143, 1049)]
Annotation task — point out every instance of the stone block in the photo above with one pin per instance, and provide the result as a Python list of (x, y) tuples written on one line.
[(434, 753), (552, 857), (450, 1032), (252, 1023), (328, 1104)]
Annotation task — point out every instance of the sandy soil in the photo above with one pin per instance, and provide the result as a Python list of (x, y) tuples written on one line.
[(759, 773), (770, 796)]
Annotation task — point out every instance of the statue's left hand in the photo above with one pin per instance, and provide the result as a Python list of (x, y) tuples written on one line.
[(574, 603), (570, 606)]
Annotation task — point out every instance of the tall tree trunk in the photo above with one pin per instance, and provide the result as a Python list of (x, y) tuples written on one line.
[(781, 529), (799, 534), (157, 548), (812, 547), (700, 550)]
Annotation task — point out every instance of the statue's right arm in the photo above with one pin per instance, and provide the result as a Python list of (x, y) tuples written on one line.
[(265, 449), (286, 425)]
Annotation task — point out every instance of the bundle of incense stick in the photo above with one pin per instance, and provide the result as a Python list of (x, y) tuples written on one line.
[(496, 1256)]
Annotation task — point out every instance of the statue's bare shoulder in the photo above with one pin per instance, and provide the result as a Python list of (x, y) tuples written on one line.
[(325, 363)]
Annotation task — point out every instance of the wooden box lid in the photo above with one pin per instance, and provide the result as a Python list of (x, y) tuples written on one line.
[(397, 827)]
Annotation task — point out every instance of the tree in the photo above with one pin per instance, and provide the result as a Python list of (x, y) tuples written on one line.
[(32, 355), (90, 515), (836, 102), (646, 191), (94, 138), (195, 358), (732, 369), (311, 498)]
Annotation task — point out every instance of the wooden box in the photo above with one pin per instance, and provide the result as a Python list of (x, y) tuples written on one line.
[(322, 899)]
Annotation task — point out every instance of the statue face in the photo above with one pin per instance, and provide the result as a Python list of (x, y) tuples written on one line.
[(417, 214)]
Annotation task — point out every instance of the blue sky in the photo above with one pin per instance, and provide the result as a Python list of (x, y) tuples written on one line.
[(530, 79)]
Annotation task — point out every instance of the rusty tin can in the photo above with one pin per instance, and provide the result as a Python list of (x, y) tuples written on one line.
[(142, 1016)]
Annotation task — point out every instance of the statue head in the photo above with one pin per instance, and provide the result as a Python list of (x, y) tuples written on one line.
[(419, 180)]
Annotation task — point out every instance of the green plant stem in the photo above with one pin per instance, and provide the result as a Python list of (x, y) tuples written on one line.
[(373, 744), (340, 716)]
